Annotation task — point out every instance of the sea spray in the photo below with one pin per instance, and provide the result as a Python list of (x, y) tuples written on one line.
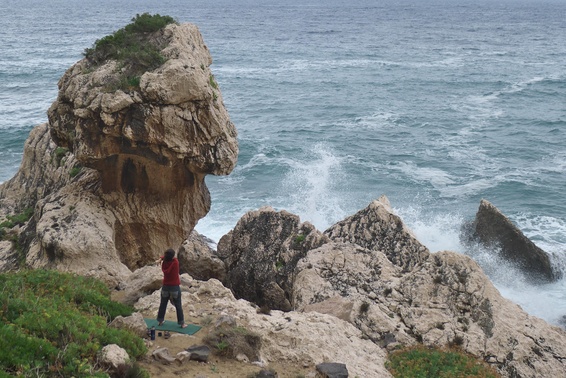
[(312, 184)]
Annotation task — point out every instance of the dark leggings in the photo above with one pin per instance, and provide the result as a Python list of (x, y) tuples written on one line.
[(173, 294)]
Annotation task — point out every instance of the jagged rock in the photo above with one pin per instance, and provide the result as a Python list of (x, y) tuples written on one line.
[(261, 252), (493, 229), (377, 228), (331, 370), (198, 259), (198, 353), (359, 276), (112, 356), (446, 300), (134, 323), (162, 355), (141, 156)]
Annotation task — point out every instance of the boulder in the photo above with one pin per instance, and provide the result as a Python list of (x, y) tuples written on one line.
[(117, 175), (494, 230), (113, 356), (331, 370), (377, 228), (197, 258), (133, 323), (198, 353), (261, 253), (140, 283), (162, 355)]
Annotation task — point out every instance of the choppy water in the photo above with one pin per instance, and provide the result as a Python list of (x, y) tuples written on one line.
[(436, 104)]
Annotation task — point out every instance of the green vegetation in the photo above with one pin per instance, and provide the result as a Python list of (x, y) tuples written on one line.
[(132, 47), (212, 82), (60, 153), (422, 362), (300, 238), (54, 324), (75, 171), (18, 219)]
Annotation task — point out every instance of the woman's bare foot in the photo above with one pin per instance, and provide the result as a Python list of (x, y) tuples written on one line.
[(184, 325)]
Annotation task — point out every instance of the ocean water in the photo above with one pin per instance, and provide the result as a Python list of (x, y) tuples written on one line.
[(435, 104)]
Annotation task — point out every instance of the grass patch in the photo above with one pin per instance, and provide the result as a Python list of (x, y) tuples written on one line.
[(54, 324), (132, 48), (423, 362)]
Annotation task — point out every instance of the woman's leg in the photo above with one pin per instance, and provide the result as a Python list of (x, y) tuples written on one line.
[(162, 307), (179, 308)]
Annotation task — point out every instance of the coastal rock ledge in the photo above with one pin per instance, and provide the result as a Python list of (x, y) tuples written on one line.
[(117, 175)]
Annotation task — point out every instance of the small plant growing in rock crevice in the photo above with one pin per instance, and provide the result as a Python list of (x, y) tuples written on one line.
[(364, 308), (75, 171)]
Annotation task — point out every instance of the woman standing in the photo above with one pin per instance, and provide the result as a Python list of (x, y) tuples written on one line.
[(171, 289)]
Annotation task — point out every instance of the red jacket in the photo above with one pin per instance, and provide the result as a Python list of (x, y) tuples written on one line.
[(171, 272)]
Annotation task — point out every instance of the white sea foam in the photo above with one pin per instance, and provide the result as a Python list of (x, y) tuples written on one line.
[(437, 177), (312, 185), (441, 231)]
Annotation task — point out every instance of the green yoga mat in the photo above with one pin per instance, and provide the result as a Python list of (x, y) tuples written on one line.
[(172, 326)]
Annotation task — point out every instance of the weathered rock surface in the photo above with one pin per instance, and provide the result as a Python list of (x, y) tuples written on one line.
[(134, 323), (261, 253), (493, 229), (198, 259), (292, 337), (377, 228), (396, 292), (112, 356), (142, 154)]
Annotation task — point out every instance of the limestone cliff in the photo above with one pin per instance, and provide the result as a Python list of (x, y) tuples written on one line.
[(138, 154)]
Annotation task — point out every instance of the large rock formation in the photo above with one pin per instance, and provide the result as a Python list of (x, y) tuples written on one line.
[(141, 154), (494, 230), (261, 253), (396, 292), (377, 227)]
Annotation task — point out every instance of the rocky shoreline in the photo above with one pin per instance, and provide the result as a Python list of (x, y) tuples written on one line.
[(117, 177)]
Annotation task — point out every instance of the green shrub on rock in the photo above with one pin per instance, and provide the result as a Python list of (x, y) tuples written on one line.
[(132, 48)]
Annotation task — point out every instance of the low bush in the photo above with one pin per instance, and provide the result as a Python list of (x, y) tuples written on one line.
[(132, 47), (54, 324), (422, 362)]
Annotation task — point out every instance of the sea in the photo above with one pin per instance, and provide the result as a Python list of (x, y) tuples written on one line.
[(435, 103)]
